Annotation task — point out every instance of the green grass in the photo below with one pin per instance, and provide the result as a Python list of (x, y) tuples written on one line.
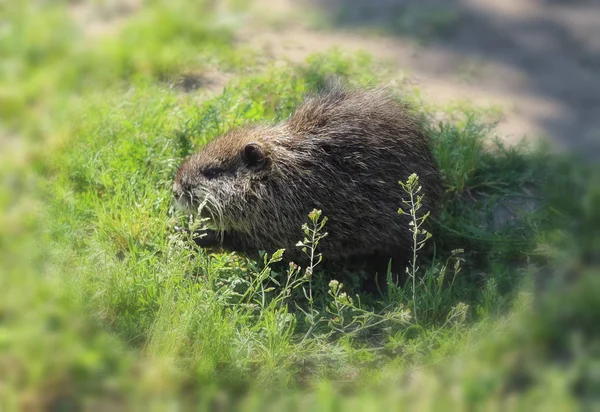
[(103, 305)]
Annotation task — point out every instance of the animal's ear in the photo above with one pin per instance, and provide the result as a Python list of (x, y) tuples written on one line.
[(253, 155)]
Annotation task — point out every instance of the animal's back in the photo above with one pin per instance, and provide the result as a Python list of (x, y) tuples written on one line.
[(347, 151)]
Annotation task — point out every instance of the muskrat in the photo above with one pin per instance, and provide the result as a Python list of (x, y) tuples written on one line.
[(342, 151)]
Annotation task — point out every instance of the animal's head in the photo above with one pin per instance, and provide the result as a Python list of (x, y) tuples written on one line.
[(226, 174)]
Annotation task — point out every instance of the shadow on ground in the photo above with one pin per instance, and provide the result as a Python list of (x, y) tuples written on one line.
[(548, 49)]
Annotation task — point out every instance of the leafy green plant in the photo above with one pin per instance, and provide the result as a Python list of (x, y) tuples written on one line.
[(103, 305), (314, 234)]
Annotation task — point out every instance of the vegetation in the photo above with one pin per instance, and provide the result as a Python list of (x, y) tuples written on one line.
[(103, 304)]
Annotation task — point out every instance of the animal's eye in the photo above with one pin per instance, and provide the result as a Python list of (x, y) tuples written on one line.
[(212, 172)]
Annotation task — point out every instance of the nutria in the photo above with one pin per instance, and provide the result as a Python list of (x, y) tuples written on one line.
[(342, 151)]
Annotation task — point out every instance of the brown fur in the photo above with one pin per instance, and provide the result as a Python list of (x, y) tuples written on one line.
[(341, 151)]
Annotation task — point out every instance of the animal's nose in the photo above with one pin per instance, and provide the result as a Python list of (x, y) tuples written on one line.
[(177, 189)]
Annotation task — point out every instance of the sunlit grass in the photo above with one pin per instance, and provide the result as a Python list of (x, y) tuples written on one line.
[(102, 303)]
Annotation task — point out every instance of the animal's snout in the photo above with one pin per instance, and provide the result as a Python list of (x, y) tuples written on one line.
[(183, 193), (177, 189), (180, 191)]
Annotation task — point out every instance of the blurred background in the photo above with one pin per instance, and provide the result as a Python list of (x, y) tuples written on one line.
[(537, 60), (81, 81)]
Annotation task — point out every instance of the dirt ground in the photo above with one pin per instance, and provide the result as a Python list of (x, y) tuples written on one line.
[(536, 60)]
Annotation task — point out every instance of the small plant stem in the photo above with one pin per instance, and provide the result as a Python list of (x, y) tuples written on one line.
[(312, 259), (413, 214)]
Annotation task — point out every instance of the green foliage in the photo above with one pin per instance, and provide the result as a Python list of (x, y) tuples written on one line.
[(47, 53), (103, 303)]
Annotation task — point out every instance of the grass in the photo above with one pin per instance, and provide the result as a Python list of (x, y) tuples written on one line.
[(103, 305)]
